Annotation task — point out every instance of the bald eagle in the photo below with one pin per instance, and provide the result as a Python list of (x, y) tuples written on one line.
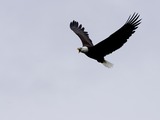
[(108, 45)]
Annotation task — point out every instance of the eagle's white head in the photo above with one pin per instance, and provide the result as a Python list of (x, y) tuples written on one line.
[(83, 49)]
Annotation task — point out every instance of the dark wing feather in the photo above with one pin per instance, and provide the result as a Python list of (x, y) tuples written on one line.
[(117, 39), (83, 35)]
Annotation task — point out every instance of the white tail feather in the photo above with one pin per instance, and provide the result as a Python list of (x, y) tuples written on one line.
[(107, 64)]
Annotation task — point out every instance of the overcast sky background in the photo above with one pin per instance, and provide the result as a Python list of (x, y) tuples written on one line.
[(42, 76)]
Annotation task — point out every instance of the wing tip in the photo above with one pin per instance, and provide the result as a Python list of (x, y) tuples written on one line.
[(74, 24), (134, 20)]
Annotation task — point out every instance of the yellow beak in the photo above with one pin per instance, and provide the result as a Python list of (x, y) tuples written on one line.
[(78, 50)]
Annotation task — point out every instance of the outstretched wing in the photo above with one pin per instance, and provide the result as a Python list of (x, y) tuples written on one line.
[(83, 35), (117, 39)]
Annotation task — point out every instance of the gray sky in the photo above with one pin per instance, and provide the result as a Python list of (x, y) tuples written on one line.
[(44, 78)]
